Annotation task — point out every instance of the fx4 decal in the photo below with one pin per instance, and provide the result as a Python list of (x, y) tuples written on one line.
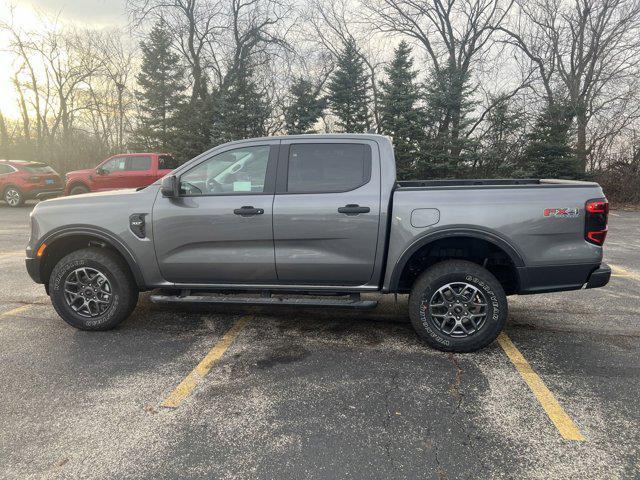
[(561, 212)]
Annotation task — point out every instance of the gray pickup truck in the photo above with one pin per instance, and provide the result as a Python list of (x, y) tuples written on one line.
[(318, 220)]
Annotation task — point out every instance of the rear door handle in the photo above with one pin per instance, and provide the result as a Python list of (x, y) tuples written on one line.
[(353, 209), (248, 211)]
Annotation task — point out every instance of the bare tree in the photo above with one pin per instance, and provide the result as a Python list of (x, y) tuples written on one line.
[(454, 35), (334, 24), (586, 50), (194, 24)]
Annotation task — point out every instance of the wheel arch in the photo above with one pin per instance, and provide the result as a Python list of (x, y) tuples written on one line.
[(469, 238), (77, 183), (66, 240)]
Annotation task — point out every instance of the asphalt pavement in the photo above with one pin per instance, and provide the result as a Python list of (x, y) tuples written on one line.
[(267, 393)]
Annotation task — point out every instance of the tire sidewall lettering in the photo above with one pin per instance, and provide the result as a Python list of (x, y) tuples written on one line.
[(493, 303), (58, 282)]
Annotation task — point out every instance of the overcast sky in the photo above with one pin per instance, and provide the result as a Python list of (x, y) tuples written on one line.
[(88, 12), (28, 13)]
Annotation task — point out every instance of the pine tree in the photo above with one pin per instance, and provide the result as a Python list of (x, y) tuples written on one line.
[(349, 91), (305, 108), (194, 122), (161, 81), (400, 115), (447, 149), (548, 153), (240, 108), (503, 140)]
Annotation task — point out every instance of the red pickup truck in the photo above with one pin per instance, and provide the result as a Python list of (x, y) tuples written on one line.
[(127, 170)]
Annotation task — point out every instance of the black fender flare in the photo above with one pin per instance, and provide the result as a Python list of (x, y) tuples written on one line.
[(480, 234), (78, 183), (103, 235)]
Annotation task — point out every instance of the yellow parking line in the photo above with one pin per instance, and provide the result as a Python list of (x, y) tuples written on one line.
[(556, 413), (11, 254), (15, 311), (184, 389), (623, 273)]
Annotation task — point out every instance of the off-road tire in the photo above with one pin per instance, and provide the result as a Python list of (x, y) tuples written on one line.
[(124, 296), (450, 272), (78, 190)]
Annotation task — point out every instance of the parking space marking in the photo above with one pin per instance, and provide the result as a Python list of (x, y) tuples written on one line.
[(11, 254), (554, 410), (184, 388), (623, 273), (15, 311)]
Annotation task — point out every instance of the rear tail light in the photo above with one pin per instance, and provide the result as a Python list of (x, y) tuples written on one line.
[(595, 223)]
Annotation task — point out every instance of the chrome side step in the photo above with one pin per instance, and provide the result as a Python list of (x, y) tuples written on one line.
[(185, 297)]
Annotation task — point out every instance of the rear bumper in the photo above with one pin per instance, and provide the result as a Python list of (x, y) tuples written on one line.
[(558, 278), (41, 194), (600, 277)]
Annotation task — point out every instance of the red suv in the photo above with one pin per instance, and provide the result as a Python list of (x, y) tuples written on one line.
[(21, 180), (128, 170)]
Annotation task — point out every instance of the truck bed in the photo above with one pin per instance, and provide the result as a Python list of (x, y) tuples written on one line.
[(550, 251), (489, 183)]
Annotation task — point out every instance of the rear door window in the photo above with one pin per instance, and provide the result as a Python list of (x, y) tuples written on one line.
[(5, 169), (139, 164), (328, 167)]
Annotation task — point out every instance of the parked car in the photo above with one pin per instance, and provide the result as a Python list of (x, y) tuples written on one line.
[(130, 170), (21, 180), (315, 221)]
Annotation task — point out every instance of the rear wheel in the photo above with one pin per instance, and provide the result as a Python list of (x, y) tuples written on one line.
[(458, 306), (78, 189), (13, 196), (92, 289)]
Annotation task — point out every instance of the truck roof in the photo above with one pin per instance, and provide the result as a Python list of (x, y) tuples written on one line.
[(306, 136)]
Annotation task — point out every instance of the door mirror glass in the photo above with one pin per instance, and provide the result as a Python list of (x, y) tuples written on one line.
[(101, 171), (169, 187)]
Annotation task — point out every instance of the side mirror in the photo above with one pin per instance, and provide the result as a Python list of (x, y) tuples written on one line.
[(101, 171), (170, 186)]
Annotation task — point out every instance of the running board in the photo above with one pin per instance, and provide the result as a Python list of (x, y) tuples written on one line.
[(353, 301)]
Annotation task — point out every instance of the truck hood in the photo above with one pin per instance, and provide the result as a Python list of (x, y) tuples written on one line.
[(86, 171), (90, 198)]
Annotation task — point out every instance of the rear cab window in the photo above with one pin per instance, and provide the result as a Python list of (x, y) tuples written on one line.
[(167, 162), (328, 167)]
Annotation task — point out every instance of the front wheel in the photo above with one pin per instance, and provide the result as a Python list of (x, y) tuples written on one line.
[(458, 306), (78, 190), (13, 196), (92, 289)]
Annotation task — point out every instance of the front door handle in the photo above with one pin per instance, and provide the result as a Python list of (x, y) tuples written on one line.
[(353, 209), (248, 211)]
